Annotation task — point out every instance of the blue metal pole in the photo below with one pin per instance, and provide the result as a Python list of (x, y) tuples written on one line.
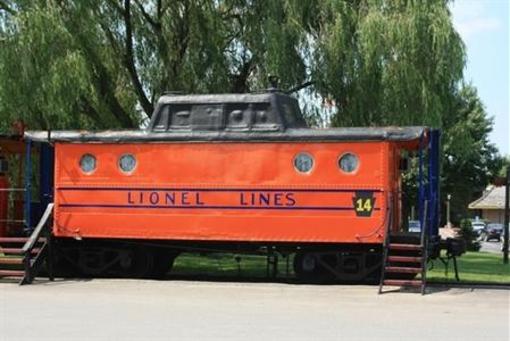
[(429, 190), (46, 175), (28, 185), (421, 189), (434, 157)]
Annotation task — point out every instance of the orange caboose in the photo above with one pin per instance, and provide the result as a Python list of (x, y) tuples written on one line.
[(229, 172)]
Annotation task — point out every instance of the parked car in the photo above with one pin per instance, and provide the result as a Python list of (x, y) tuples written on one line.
[(414, 226), (478, 226), (493, 231)]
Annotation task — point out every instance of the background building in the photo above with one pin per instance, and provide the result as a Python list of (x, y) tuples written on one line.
[(491, 205)]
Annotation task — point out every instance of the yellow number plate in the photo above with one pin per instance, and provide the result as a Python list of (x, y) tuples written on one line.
[(363, 203)]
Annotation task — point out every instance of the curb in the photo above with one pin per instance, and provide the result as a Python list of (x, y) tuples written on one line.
[(473, 285)]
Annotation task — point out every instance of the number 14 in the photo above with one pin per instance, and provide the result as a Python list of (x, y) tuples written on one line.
[(364, 205)]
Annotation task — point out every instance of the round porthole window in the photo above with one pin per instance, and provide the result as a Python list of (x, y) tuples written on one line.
[(127, 163), (303, 162), (348, 162), (88, 163)]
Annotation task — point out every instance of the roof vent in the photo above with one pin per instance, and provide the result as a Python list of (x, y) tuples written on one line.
[(268, 111)]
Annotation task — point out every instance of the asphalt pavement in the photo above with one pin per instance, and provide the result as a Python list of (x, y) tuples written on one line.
[(492, 247), (186, 310)]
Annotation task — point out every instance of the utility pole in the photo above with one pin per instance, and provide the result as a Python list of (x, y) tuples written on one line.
[(448, 198), (506, 220)]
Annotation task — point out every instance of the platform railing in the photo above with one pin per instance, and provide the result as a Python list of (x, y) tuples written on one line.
[(386, 241), (32, 264), (424, 248), (12, 221)]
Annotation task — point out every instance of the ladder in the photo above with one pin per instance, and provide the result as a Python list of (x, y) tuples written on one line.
[(21, 258), (405, 258)]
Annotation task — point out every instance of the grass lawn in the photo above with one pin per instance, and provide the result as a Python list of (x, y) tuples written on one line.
[(225, 265), (474, 267)]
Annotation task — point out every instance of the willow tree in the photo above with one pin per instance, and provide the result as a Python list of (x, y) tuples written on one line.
[(103, 63), (388, 62), (92, 63)]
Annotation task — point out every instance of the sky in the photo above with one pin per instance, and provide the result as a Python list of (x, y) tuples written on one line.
[(484, 27)]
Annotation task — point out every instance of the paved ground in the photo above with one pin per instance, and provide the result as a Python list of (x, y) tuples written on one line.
[(180, 310), (492, 246)]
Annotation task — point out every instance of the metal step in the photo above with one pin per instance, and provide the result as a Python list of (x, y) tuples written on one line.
[(405, 238), (22, 240), (404, 259), (401, 269), (404, 247), (5, 260), (405, 234), (13, 239), (12, 273), (403, 282), (15, 251)]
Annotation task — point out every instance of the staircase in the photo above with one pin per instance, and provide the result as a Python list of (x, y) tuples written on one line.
[(22, 257), (404, 262), (405, 258)]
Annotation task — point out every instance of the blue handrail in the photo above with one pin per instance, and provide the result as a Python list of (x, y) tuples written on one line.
[(28, 185), (429, 191), (433, 182), (421, 187)]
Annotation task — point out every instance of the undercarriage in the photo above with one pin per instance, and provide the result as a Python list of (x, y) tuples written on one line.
[(312, 263)]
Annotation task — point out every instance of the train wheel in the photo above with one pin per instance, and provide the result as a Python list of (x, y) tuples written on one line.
[(307, 267), (163, 263), (64, 264), (136, 262), (337, 266), (103, 260)]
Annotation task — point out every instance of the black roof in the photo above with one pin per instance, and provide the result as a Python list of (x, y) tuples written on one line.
[(269, 111), (263, 117), (291, 134)]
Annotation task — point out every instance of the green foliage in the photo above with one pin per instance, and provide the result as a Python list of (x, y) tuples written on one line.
[(88, 63), (103, 64), (470, 161), (388, 63), (504, 169), (51, 77), (95, 64), (468, 234)]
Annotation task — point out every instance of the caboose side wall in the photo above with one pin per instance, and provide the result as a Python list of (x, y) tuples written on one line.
[(223, 192)]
